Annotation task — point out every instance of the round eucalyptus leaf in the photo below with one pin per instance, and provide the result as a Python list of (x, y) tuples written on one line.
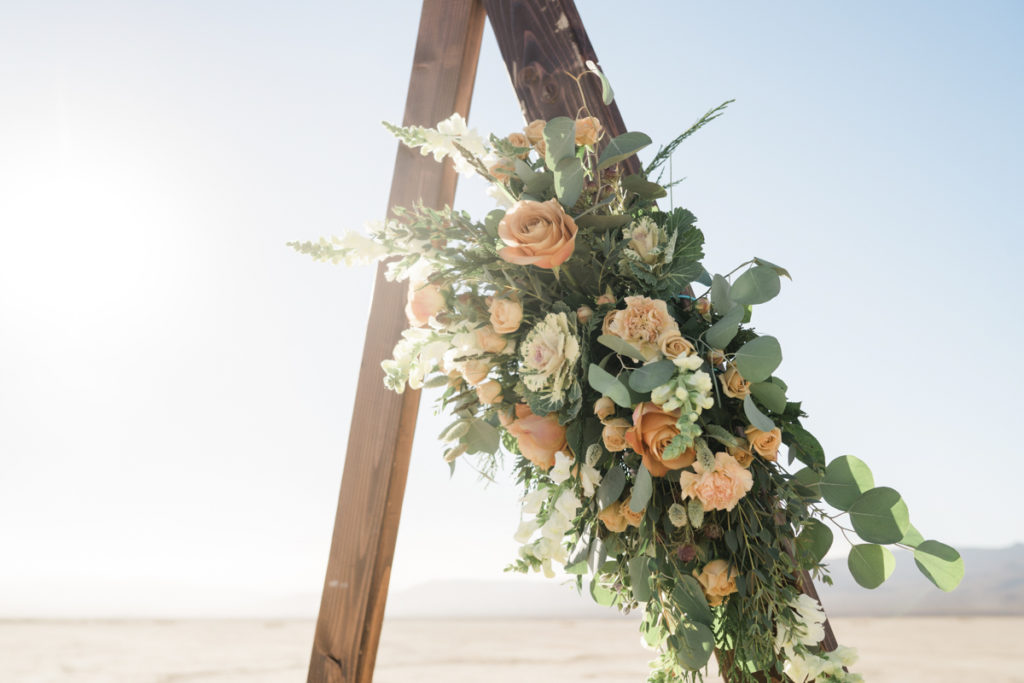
[(689, 597), (757, 359), (756, 286), (940, 563), (695, 643), (880, 516), (913, 537), (846, 479), (813, 543), (870, 564), (808, 483)]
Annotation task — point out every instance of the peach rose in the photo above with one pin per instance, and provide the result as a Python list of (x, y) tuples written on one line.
[(703, 306), (765, 443), (584, 314), (520, 140), (716, 356), (607, 298), (642, 324), (537, 233), (741, 452), (502, 170), (614, 433), (604, 408), (674, 345), (613, 519), (733, 384), (652, 430), (489, 340), (424, 302), (535, 130), (632, 518), (475, 371), (539, 437), (506, 314), (489, 392), (588, 130), (718, 580), (720, 488)]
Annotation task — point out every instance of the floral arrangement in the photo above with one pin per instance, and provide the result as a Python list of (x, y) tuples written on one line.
[(646, 423)]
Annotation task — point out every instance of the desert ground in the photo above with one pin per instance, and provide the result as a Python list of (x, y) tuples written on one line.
[(893, 650)]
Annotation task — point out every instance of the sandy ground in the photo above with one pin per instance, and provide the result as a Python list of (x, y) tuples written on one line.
[(936, 650)]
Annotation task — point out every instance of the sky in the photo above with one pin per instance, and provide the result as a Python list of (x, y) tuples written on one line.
[(176, 385)]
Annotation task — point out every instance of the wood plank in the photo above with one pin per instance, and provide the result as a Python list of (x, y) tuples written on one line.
[(541, 41), (380, 439)]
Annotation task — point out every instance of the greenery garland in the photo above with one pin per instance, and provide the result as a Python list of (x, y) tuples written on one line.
[(646, 421)]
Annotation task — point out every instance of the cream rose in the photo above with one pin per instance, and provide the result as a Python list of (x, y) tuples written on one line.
[(766, 444), (521, 141), (537, 233), (604, 408), (506, 314), (502, 170), (716, 357), (588, 130), (718, 580), (733, 384), (720, 488), (475, 371), (539, 437), (489, 340), (489, 392), (613, 519), (674, 345), (424, 302), (614, 434), (632, 518), (652, 431), (535, 130), (584, 314), (642, 324), (741, 452)]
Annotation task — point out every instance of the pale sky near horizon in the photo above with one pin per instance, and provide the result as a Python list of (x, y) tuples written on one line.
[(176, 385)]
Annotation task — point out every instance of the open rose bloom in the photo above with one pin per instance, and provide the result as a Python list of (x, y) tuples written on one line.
[(574, 336)]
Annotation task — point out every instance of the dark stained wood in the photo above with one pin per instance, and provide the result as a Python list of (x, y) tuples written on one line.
[(544, 44), (377, 460)]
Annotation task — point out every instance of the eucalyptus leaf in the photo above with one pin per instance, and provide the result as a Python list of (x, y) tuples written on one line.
[(722, 332), (755, 416), (620, 346), (607, 94), (621, 148), (808, 483), (569, 181), (757, 359), (913, 537), (813, 543), (846, 479), (771, 396), (577, 568), (809, 451), (638, 576), (756, 286), (720, 301), (559, 140), (608, 385), (721, 435), (940, 563), (642, 489), (481, 438), (870, 564), (879, 515), (689, 597), (696, 644), (602, 595), (651, 376), (612, 484), (778, 269), (539, 185), (642, 187)]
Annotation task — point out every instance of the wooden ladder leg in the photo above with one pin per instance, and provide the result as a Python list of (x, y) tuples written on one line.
[(381, 435)]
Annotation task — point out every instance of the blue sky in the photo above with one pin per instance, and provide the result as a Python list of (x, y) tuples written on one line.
[(176, 386)]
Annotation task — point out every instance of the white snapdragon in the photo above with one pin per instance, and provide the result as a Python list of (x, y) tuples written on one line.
[(807, 631), (561, 511), (442, 141), (560, 472), (590, 478)]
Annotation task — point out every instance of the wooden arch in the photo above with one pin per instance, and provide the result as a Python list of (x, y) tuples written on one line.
[(540, 41)]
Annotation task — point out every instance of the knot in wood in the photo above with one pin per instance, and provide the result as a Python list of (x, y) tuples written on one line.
[(551, 91), (529, 75)]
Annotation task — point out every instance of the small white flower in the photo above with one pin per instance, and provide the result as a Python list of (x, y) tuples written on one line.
[(567, 504), (560, 472), (556, 526), (688, 362), (533, 500), (525, 531)]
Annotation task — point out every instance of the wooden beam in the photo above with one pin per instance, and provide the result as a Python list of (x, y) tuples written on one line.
[(380, 439)]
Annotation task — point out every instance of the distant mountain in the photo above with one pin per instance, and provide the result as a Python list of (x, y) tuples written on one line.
[(993, 585)]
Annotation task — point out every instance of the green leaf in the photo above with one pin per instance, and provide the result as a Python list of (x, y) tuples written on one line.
[(559, 140), (721, 435), (577, 567), (940, 563), (720, 301), (880, 515), (620, 346), (721, 333), (638, 575), (778, 269), (695, 511), (611, 487), (809, 451), (481, 438), (608, 385), (602, 595), (913, 537), (539, 185), (569, 181), (642, 489), (696, 643), (756, 417), (757, 359), (870, 564), (607, 94), (808, 483), (756, 286), (622, 147), (813, 543), (689, 597), (675, 448), (651, 376), (492, 220), (641, 186), (771, 396), (846, 479)]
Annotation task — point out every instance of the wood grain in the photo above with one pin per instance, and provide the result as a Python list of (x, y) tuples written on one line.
[(380, 440)]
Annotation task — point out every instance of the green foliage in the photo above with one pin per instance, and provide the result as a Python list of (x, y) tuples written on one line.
[(604, 383), (665, 152), (756, 417), (940, 563), (559, 141), (756, 286), (620, 346), (569, 181), (643, 487), (638, 574), (651, 376), (813, 543), (771, 396), (688, 595), (722, 332), (879, 515), (870, 564), (612, 484), (758, 358), (621, 148), (846, 478)]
